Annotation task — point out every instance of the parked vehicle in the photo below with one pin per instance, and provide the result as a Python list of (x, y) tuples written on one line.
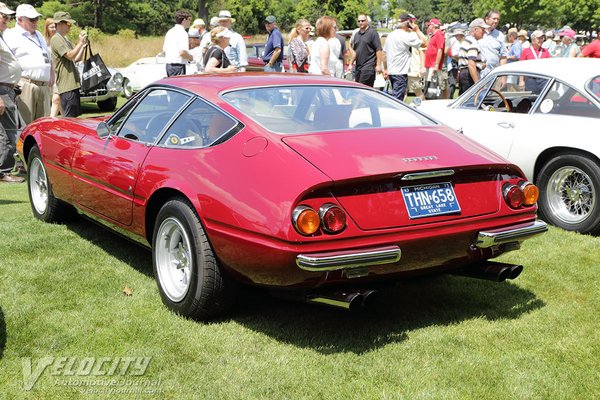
[(310, 186), (544, 116), (105, 95)]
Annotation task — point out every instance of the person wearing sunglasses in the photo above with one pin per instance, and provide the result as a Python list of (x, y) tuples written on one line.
[(10, 73), (37, 79), (366, 52), (64, 57)]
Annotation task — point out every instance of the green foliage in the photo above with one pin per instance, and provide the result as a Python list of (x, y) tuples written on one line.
[(126, 34), (155, 17)]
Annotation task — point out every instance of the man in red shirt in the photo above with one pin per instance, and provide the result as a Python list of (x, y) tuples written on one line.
[(536, 50), (434, 54), (593, 49)]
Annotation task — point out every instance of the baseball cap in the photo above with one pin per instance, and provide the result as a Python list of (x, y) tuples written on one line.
[(62, 16), (5, 10), (407, 17), (536, 34), (434, 21), (270, 19), (478, 23), (193, 33), (27, 10), (523, 33), (226, 33)]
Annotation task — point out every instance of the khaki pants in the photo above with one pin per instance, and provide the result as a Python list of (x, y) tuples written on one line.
[(34, 101)]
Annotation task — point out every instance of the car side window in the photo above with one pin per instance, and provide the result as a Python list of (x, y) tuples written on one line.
[(199, 125), (151, 115), (515, 93), (562, 99)]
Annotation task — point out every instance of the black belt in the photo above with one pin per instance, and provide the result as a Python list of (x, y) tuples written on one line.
[(176, 65), (9, 85)]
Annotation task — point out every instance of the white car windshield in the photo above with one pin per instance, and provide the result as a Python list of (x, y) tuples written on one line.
[(301, 109)]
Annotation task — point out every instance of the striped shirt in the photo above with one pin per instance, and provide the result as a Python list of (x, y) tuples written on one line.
[(469, 50)]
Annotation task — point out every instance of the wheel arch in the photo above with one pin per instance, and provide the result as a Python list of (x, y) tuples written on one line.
[(155, 203), (552, 152), (30, 141)]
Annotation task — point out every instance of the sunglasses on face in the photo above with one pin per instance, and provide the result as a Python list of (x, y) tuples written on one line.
[(362, 20), (6, 17), (36, 19)]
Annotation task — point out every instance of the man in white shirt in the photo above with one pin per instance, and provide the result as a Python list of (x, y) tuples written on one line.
[(397, 53), (29, 47), (10, 73), (176, 45), (236, 51)]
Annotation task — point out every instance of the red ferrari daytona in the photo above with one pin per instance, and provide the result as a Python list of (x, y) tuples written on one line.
[(310, 186)]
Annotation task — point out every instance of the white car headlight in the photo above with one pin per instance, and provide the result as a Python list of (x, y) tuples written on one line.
[(115, 82)]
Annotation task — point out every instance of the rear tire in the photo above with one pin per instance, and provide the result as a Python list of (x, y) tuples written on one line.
[(44, 205), (190, 281), (569, 188)]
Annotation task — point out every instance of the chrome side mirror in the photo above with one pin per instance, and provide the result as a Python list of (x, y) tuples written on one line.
[(102, 130)]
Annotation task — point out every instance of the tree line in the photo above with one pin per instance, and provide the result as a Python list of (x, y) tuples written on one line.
[(153, 17)]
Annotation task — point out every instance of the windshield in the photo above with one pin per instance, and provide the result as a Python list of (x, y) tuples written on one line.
[(301, 109)]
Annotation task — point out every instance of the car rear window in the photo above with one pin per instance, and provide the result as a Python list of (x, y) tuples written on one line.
[(301, 109), (593, 87)]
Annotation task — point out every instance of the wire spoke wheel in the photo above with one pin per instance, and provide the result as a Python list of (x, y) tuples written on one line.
[(571, 194)]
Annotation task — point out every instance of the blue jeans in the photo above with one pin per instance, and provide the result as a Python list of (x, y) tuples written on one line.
[(275, 68), (399, 84)]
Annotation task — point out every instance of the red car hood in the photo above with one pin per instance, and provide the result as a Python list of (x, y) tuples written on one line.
[(346, 155)]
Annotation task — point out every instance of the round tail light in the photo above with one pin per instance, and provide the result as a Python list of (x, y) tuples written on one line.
[(333, 218), (513, 195), (531, 193), (305, 220)]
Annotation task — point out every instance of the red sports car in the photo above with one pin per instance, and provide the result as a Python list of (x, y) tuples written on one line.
[(311, 186)]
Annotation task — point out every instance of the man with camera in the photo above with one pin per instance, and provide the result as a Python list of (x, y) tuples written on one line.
[(64, 57), (397, 53), (10, 73)]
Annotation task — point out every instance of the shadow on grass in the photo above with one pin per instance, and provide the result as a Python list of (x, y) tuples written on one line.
[(2, 334), (134, 255), (411, 305), (5, 202)]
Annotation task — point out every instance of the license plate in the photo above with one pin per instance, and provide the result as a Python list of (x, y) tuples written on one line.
[(430, 200)]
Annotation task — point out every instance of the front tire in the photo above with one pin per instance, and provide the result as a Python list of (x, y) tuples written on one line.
[(44, 205), (569, 188), (189, 279), (108, 104), (127, 89)]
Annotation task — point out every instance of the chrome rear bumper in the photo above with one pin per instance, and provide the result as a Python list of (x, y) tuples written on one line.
[(514, 233), (334, 260)]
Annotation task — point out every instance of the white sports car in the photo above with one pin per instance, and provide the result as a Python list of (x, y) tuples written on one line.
[(145, 71), (544, 116)]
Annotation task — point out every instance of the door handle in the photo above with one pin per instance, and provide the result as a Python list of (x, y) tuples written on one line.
[(506, 124)]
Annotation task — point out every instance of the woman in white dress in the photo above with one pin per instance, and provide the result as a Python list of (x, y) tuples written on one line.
[(322, 59)]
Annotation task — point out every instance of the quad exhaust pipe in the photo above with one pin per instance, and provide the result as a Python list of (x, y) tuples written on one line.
[(491, 271)]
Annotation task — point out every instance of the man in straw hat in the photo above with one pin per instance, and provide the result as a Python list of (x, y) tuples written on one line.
[(236, 51), (64, 56), (10, 73)]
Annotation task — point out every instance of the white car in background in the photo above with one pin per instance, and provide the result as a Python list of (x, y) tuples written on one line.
[(145, 71), (544, 116)]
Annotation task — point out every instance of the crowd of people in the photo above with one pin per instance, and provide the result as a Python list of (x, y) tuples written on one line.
[(38, 75)]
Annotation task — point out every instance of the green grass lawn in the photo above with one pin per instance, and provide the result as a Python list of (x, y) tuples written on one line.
[(445, 337)]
